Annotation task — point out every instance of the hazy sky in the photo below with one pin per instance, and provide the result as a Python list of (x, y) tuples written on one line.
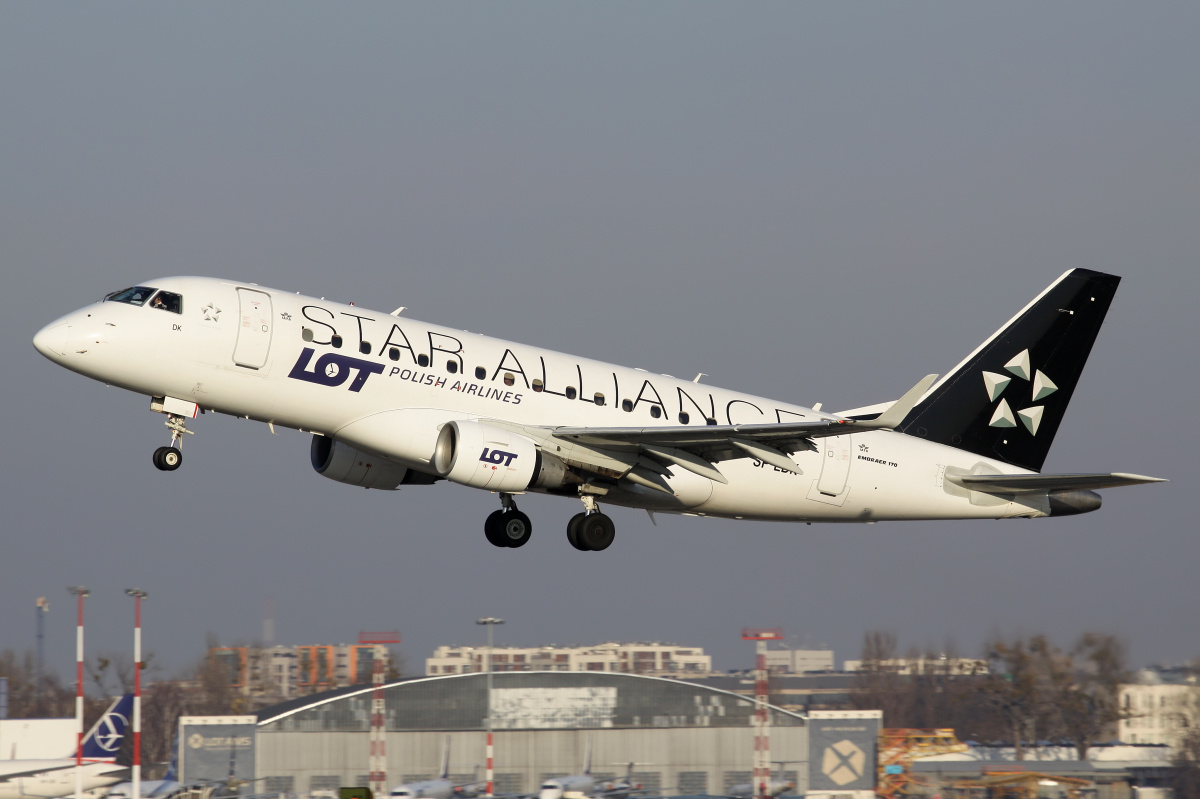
[(813, 202)]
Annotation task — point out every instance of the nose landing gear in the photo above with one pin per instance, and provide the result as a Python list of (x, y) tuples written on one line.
[(169, 458), (507, 527)]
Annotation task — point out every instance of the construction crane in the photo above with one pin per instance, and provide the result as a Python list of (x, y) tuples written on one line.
[(899, 747)]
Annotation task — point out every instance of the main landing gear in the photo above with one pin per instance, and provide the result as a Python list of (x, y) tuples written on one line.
[(507, 527), (590, 531), (168, 459)]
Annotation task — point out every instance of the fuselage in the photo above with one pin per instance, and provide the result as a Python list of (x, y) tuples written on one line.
[(386, 384)]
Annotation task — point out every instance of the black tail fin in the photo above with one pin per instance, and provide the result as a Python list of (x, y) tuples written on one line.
[(1007, 398)]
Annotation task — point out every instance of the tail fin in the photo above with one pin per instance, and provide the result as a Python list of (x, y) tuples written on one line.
[(1007, 398), (587, 757), (445, 775), (103, 741)]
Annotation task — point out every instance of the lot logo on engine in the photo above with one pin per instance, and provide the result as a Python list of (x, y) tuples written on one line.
[(332, 369), (497, 456)]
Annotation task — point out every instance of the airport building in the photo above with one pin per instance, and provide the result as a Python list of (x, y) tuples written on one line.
[(638, 658), (682, 738)]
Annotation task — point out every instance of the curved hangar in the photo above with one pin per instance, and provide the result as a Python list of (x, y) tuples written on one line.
[(683, 738)]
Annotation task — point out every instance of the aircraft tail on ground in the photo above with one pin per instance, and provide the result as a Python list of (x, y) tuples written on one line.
[(1007, 398), (103, 741)]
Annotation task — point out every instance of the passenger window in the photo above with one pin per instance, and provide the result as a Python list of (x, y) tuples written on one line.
[(336, 341), (422, 360), (452, 366), (683, 417), (134, 296), (598, 399), (655, 411), (710, 421), (509, 379), (627, 405), (364, 347), (167, 301), (537, 384), (394, 353), (480, 373), (306, 334), (571, 392)]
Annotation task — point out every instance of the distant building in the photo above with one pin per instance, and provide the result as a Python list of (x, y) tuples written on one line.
[(924, 665), (644, 658), (1159, 707), (799, 661), (281, 672)]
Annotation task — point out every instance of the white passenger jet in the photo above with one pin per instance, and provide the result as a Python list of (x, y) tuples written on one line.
[(586, 786), (442, 787), (45, 779), (392, 401)]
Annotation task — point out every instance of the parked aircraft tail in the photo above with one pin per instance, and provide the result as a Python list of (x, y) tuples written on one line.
[(1007, 398), (103, 741)]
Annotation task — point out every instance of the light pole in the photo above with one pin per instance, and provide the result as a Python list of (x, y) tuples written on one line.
[(490, 623), (138, 595), (79, 592)]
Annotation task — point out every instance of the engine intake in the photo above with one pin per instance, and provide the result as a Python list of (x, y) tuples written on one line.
[(346, 464), (484, 456)]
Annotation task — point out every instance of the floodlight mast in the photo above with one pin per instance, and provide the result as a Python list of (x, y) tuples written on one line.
[(762, 716), (489, 622), (79, 592)]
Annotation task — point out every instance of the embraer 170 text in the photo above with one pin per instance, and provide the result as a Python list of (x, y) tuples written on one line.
[(392, 401)]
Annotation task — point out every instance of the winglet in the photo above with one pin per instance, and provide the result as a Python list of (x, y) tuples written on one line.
[(894, 415)]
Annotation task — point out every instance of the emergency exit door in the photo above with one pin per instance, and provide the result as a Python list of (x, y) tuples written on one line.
[(836, 452), (254, 329)]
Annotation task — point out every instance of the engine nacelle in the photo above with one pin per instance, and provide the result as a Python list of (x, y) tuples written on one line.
[(483, 456), (346, 464)]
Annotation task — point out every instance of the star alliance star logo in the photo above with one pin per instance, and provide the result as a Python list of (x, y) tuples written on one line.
[(211, 312), (995, 384)]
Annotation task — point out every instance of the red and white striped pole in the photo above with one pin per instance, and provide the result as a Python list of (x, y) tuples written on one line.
[(79, 592), (138, 595), (378, 764), (761, 787)]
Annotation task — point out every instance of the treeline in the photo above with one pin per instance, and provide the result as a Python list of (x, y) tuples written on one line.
[(1020, 692)]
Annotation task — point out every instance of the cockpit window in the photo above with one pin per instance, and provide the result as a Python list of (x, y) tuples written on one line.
[(167, 301), (134, 296)]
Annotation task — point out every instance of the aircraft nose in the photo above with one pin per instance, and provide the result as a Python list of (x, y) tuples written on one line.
[(51, 340)]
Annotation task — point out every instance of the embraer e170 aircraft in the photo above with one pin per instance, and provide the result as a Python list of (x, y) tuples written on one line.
[(392, 401)]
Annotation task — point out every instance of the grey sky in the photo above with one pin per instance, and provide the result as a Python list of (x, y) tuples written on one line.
[(815, 202)]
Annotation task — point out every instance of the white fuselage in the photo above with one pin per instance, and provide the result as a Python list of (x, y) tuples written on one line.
[(54, 778), (269, 355)]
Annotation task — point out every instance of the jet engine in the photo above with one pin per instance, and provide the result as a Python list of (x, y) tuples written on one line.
[(484, 456), (346, 464)]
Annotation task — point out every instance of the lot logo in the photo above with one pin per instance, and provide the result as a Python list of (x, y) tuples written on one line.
[(498, 457), (843, 762), (332, 369), (110, 731)]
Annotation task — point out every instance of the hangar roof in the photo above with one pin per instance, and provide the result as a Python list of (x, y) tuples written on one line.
[(523, 700)]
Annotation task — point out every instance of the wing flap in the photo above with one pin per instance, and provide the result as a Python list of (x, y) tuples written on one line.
[(1041, 483)]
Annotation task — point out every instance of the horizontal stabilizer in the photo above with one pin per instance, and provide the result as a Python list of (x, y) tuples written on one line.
[(1041, 483)]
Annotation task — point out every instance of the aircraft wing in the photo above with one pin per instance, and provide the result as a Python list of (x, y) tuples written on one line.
[(12, 775), (696, 448), (1041, 483)]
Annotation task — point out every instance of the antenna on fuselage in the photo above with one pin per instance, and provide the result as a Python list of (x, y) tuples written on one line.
[(696, 379), (399, 310)]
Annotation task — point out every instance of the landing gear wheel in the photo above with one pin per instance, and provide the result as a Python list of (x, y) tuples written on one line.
[(507, 528), (596, 532), (515, 528), (573, 531), (491, 529), (167, 459)]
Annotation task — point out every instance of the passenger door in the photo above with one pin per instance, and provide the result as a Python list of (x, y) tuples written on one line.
[(254, 329)]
